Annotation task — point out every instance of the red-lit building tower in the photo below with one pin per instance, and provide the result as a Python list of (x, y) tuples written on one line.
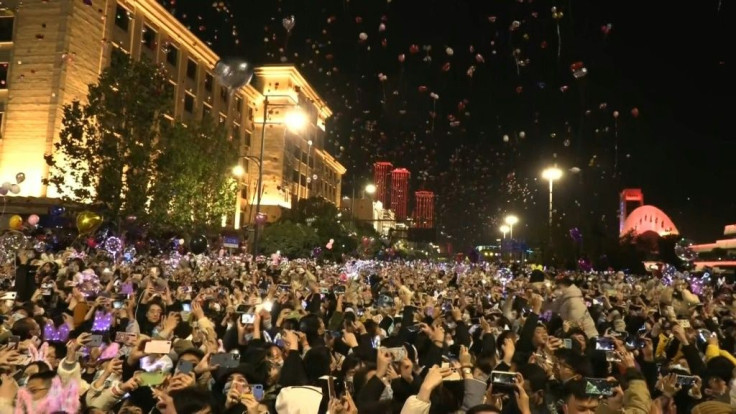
[(424, 210), (400, 192), (381, 172)]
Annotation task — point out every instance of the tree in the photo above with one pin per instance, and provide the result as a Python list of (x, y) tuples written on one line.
[(294, 240), (104, 154), (193, 187)]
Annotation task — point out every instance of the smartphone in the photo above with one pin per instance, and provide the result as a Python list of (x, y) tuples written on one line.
[(567, 343), (9, 296), (125, 337), (331, 387), (94, 341), (186, 307), (685, 380), (397, 353), (257, 390), (599, 387), (157, 347), (149, 379), (503, 381), (684, 323), (605, 344), (118, 304), (285, 288), (339, 289), (324, 291), (225, 360), (13, 341), (633, 342), (247, 318), (185, 367), (414, 328)]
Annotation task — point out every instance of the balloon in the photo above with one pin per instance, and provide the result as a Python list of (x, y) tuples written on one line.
[(684, 250), (40, 246), (198, 245), (288, 23), (234, 73), (129, 253), (15, 222), (12, 241), (15, 189), (3, 191), (131, 219), (88, 221), (6, 186), (329, 244), (33, 219), (56, 210), (20, 177), (113, 245)]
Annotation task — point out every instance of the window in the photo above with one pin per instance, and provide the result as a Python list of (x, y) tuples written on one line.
[(247, 138), (149, 37), (206, 111), (172, 55), (239, 104), (236, 132), (3, 75), (208, 81), (6, 28), (189, 103), (295, 176), (224, 93), (122, 20), (191, 69)]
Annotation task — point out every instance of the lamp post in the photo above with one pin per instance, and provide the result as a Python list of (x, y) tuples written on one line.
[(551, 174), (504, 229), (293, 120), (510, 221), (238, 172), (368, 189)]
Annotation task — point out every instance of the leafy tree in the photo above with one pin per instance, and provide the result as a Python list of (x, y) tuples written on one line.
[(193, 187), (293, 240), (104, 154)]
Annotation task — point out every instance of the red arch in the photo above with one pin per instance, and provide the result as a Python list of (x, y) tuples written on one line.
[(649, 218)]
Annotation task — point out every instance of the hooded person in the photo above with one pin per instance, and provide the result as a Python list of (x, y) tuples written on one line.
[(570, 305), (303, 391)]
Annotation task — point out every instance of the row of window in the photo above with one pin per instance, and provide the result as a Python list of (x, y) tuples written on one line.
[(6, 28)]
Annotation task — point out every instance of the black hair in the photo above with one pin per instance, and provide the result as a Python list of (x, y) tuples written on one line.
[(501, 339), (192, 400), (193, 351), (535, 375), (23, 328), (482, 408), (47, 376), (579, 364), (576, 388)]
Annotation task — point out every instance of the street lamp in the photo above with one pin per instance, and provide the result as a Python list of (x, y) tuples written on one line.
[(238, 170), (294, 119), (511, 220), (504, 229), (370, 189), (551, 174)]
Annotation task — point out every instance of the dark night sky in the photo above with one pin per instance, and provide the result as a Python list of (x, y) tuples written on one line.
[(666, 60)]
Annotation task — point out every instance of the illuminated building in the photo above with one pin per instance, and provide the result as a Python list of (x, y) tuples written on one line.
[(644, 218), (424, 209), (381, 174), (50, 51), (400, 192)]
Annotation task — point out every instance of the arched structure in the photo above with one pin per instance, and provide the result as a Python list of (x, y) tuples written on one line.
[(648, 218)]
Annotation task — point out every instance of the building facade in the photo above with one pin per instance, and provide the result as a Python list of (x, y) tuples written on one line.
[(50, 51), (424, 209), (381, 179), (400, 192)]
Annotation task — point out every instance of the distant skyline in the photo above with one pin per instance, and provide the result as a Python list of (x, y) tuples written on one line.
[(516, 111)]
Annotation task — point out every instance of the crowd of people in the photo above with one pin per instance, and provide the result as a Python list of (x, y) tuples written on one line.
[(237, 334)]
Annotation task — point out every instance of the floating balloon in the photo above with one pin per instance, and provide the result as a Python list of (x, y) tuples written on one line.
[(6, 186), (40, 246), (20, 177), (3, 191), (113, 245), (234, 73), (684, 250), (288, 23), (198, 245), (15, 188), (33, 219), (129, 253), (56, 210), (88, 221), (15, 222), (13, 241), (329, 244)]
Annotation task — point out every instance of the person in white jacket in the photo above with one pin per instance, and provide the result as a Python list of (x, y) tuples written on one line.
[(570, 305)]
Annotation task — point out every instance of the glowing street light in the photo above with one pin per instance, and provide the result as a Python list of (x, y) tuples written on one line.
[(370, 189), (238, 170), (551, 174), (295, 119), (504, 229), (511, 220)]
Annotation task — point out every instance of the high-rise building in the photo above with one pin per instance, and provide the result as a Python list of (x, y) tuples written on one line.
[(424, 210), (50, 51), (381, 173), (400, 192)]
